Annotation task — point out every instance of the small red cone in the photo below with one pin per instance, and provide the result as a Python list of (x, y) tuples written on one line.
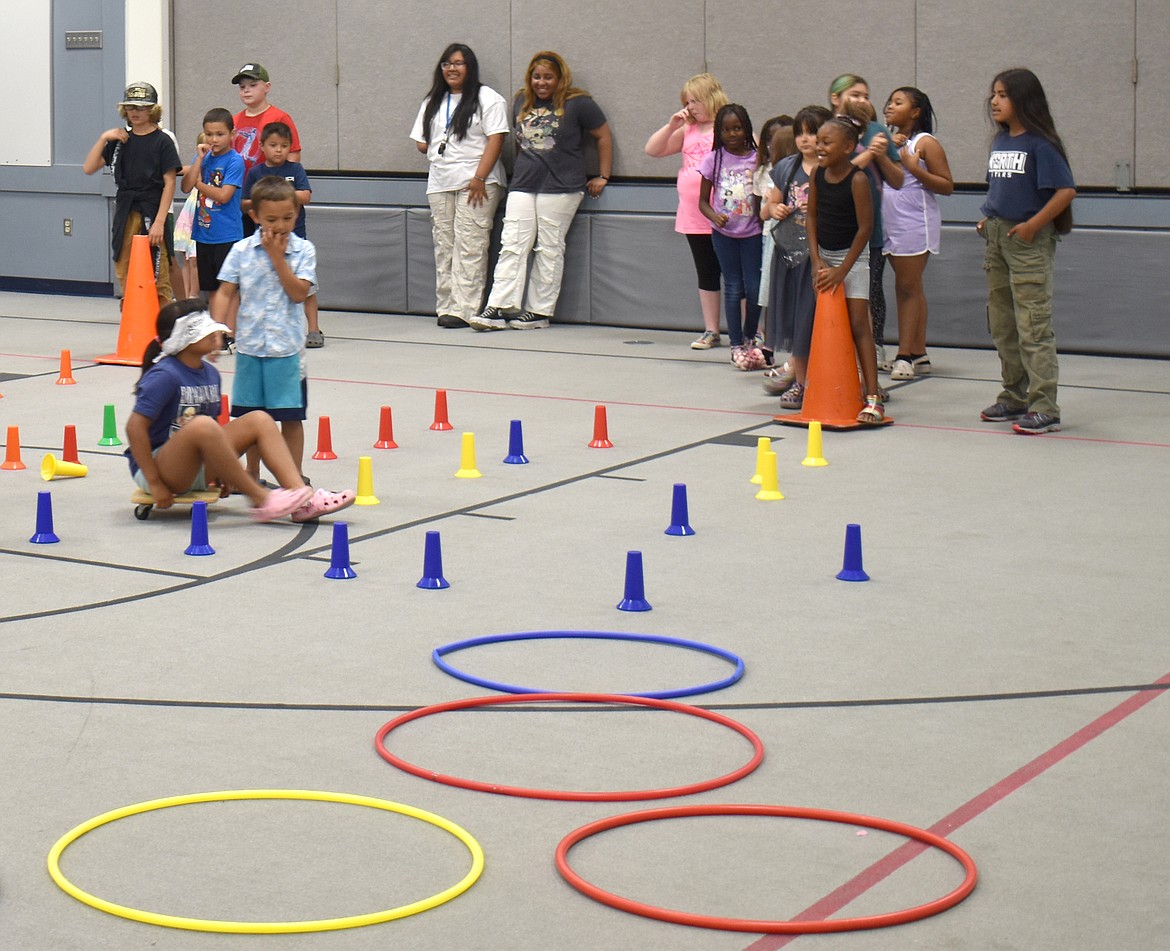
[(441, 423), (69, 445), (600, 430), (386, 430), (12, 458), (224, 417), (324, 440), (66, 376)]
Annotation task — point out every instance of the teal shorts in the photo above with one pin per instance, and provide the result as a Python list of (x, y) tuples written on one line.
[(273, 384)]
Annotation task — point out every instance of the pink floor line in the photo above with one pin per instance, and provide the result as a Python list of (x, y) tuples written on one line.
[(838, 899)]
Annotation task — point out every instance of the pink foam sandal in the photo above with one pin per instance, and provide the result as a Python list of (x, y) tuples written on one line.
[(324, 502), (281, 502)]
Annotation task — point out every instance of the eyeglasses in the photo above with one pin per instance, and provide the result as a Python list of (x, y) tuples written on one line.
[(452, 65)]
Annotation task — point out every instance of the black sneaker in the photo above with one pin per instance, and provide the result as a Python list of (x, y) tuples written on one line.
[(527, 320), (450, 322), (1032, 424), (492, 318), (1002, 413)]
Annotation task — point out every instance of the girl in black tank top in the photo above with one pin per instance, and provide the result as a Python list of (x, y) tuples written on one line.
[(840, 222)]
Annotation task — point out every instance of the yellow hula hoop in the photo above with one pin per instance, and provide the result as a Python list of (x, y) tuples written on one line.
[(266, 927)]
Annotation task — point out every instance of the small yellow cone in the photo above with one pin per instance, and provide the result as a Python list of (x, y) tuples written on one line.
[(770, 490), (763, 445), (467, 469), (816, 449), (365, 483), (54, 468)]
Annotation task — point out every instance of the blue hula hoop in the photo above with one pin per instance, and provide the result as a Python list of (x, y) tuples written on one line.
[(735, 660)]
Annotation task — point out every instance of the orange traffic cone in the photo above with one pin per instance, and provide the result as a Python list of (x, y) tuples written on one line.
[(139, 308), (832, 394), (12, 458), (65, 378), (324, 439)]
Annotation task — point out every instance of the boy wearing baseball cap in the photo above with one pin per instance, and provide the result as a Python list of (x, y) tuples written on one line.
[(145, 163), (252, 79)]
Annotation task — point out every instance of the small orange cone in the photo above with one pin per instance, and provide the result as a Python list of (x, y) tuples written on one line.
[(66, 376), (139, 308), (324, 440), (12, 450), (832, 394), (225, 416), (69, 445), (441, 423), (386, 430), (600, 430)]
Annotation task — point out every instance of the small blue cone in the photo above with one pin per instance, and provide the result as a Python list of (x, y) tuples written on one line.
[(433, 564), (199, 542), (851, 570), (635, 599), (339, 556), (516, 455), (679, 520), (44, 534)]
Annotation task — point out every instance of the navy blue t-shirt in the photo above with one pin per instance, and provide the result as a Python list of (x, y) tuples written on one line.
[(169, 393), (291, 172), (1023, 173)]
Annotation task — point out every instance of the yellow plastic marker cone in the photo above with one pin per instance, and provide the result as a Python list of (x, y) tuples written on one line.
[(763, 445), (816, 449), (54, 468), (365, 483), (770, 490), (467, 469)]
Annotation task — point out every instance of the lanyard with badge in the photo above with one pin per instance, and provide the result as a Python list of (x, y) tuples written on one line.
[(447, 130)]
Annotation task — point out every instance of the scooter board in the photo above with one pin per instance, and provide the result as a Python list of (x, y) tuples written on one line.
[(143, 501)]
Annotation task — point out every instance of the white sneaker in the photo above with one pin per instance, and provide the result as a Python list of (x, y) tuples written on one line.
[(921, 364), (902, 370)]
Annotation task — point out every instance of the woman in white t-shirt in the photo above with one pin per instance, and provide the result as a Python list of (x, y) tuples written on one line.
[(460, 128)]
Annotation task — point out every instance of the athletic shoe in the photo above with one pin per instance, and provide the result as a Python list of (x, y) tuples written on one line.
[(902, 370), (707, 341), (492, 318), (921, 364), (527, 320), (1033, 424), (450, 321), (1002, 413)]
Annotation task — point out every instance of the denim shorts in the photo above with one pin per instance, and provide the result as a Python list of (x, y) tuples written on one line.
[(856, 282)]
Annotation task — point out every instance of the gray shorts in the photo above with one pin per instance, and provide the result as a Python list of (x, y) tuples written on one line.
[(199, 485), (857, 280)]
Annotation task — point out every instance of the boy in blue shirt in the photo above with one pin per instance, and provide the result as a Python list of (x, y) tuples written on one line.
[(216, 173), (276, 141)]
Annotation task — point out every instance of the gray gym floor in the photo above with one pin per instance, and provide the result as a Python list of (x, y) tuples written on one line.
[(999, 680)]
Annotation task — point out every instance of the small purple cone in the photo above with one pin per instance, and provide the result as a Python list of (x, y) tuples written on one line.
[(44, 534), (339, 556), (635, 599), (851, 570), (199, 541), (679, 519), (516, 455), (433, 564)]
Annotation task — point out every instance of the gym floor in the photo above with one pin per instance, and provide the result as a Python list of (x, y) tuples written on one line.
[(999, 680)]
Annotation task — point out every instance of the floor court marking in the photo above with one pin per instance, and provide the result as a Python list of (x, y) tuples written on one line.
[(972, 808)]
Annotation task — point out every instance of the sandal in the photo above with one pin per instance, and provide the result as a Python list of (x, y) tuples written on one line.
[(779, 379), (793, 397), (323, 502), (314, 340), (873, 413), (281, 502)]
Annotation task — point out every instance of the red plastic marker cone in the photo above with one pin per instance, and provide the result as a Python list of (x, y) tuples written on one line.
[(441, 423), (139, 308), (66, 376), (600, 430), (12, 458), (225, 415), (69, 445), (832, 394), (324, 440), (385, 430)]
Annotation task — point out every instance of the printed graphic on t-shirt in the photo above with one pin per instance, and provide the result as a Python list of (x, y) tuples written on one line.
[(193, 399), (203, 214), (733, 194), (245, 141), (538, 130), (1006, 164), (798, 199)]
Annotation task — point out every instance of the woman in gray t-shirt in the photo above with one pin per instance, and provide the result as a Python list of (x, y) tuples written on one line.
[(550, 119)]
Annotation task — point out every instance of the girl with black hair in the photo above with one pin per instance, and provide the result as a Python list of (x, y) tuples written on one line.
[(726, 200), (460, 128), (1029, 198)]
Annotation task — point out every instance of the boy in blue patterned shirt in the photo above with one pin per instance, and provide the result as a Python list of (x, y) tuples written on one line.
[(271, 273)]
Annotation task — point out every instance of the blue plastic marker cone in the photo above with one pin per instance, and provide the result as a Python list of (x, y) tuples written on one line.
[(851, 570), (339, 556), (44, 534), (635, 599), (199, 542), (433, 564), (679, 520), (516, 455)]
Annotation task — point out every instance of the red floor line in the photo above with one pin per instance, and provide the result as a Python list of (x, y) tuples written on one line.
[(861, 883)]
